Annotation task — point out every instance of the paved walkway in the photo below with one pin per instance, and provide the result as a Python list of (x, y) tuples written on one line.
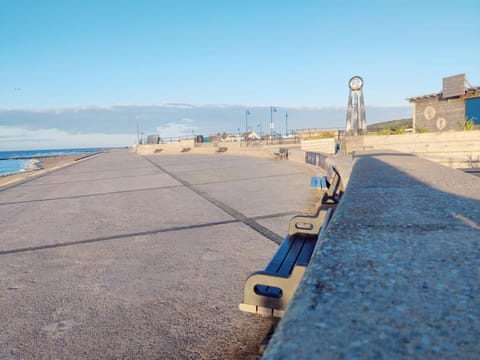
[(398, 273), (123, 256)]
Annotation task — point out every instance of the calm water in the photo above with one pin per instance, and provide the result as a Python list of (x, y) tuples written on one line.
[(12, 162)]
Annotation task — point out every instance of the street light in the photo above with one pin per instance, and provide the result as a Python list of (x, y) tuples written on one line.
[(286, 124), (272, 109), (138, 130), (247, 112)]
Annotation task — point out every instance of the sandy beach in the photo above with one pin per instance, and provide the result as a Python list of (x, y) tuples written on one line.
[(47, 164)]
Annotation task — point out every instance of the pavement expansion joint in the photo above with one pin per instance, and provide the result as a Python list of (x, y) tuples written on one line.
[(86, 180), (230, 211), (115, 237), (90, 195), (245, 179)]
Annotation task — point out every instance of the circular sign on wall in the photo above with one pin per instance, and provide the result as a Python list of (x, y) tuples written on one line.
[(441, 123), (429, 112)]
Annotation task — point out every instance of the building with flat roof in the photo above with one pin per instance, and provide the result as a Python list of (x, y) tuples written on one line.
[(449, 109)]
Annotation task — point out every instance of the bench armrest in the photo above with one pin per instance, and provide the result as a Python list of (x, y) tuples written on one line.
[(255, 302), (304, 224)]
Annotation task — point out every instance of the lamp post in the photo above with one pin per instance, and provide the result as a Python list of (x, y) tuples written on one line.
[(138, 130), (286, 124), (247, 112), (272, 109)]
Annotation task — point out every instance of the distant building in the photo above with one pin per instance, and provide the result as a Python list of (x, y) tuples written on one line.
[(449, 109), (153, 139), (251, 135)]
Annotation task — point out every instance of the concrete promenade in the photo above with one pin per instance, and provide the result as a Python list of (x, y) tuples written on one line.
[(124, 256), (397, 275)]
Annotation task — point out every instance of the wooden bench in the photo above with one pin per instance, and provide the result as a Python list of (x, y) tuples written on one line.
[(186, 149), (311, 224), (156, 151), (269, 292), (221, 149), (334, 191), (281, 154)]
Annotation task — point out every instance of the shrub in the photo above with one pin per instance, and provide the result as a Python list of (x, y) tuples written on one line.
[(421, 130), (468, 124), (323, 135), (393, 130), (400, 130)]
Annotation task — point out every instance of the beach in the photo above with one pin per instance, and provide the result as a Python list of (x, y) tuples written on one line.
[(47, 164)]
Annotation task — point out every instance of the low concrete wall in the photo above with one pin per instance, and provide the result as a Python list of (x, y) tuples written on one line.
[(325, 146), (234, 148), (397, 274), (458, 149), (170, 147)]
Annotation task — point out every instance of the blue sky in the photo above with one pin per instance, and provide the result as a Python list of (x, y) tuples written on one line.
[(77, 55)]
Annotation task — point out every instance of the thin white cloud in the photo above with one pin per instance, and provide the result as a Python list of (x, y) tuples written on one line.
[(13, 138), (184, 106), (177, 129)]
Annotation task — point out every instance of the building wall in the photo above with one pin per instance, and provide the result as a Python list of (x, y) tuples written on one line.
[(458, 149), (440, 115)]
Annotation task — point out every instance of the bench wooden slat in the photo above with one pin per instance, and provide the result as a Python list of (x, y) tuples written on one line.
[(280, 254), (307, 250), (319, 182), (300, 251), (289, 261), (280, 264)]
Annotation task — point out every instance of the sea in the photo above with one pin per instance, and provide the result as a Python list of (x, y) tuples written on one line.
[(12, 162)]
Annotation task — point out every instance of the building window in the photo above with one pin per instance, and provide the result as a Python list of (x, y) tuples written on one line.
[(472, 110)]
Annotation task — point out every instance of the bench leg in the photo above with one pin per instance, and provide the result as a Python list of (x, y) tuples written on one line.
[(265, 305)]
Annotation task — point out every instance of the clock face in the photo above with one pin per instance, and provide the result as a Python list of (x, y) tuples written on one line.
[(355, 83)]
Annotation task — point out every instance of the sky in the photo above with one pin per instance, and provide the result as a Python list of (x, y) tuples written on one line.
[(81, 72)]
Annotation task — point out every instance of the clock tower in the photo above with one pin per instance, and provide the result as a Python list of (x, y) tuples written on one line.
[(356, 108)]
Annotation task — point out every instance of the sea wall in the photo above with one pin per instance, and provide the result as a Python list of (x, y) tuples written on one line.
[(396, 274)]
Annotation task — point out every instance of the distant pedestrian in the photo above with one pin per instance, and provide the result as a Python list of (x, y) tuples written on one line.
[(337, 148)]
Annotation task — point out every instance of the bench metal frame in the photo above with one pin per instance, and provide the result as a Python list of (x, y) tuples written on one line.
[(334, 192), (269, 292)]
